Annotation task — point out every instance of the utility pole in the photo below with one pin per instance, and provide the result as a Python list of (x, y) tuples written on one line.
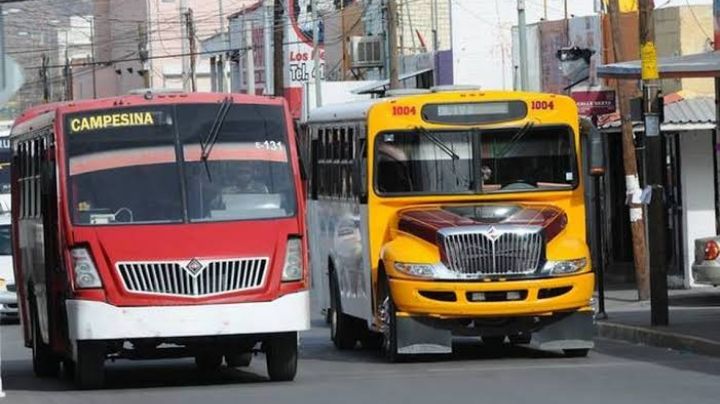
[(192, 44), (67, 72), (344, 45), (183, 8), (653, 149), (267, 45), (434, 25), (545, 10), (632, 183), (44, 78), (94, 52), (567, 22), (522, 40), (316, 53), (144, 54), (3, 74), (392, 44), (249, 58), (278, 48), (224, 38)]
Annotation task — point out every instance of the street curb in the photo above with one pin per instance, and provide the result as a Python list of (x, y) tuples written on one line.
[(657, 338)]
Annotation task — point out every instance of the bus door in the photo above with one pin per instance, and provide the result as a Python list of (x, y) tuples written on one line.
[(56, 278)]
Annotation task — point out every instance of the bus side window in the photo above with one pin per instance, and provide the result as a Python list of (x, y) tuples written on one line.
[(342, 157), (360, 167), (348, 163), (335, 185), (24, 187), (322, 155), (314, 168)]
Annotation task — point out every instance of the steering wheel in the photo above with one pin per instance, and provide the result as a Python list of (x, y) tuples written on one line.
[(519, 185), (128, 212)]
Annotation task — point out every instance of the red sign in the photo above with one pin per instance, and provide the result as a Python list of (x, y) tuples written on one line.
[(594, 103)]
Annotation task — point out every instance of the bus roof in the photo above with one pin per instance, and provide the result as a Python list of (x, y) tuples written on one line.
[(157, 98), (349, 111), (358, 110)]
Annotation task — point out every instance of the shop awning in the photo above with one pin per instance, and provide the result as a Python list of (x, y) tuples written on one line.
[(382, 85), (697, 65)]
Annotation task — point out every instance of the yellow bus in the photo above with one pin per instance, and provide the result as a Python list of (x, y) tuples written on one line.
[(450, 213)]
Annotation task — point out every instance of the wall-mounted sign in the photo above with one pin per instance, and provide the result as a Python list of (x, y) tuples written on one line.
[(594, 103)]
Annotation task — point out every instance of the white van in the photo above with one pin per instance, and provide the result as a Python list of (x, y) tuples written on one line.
[(8, 295)]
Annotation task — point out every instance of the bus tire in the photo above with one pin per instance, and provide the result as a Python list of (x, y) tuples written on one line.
[(45, 363), (494, 342), (208, 361), (388, 316), (239, 360), (576, 353), (281, 353), (372, 341), (90, 365), (343, 329)]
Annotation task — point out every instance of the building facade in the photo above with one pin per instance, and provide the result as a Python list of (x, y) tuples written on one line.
[(144, 43)]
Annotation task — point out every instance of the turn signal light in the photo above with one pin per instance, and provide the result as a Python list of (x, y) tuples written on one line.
[(712, 250)]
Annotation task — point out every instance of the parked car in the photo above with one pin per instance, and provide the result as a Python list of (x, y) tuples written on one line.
[(706, 268), (8, 295)]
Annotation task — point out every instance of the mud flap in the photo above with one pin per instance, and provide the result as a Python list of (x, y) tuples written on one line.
[(574, 331), (415, 337)]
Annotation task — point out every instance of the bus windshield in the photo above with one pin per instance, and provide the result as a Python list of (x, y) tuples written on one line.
[(424, 162), (142, 166)]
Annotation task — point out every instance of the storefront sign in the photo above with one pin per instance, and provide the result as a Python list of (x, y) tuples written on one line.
[(594, 103)]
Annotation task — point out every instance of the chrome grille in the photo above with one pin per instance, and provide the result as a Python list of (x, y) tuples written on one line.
[(196, 278), (481, 251)]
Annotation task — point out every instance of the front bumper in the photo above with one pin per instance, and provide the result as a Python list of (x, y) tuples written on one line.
[(541, 296), (90, 320), (707, 273), (8, 304)]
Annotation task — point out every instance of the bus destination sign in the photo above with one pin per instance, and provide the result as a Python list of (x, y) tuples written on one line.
[(473, 113), (109, 120)]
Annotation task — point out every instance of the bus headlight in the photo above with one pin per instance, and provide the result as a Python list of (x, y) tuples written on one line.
[(86, 275), (419, 270), (293, 268), (564, 267)]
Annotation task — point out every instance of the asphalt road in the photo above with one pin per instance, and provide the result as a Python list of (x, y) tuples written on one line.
[(613, 373)]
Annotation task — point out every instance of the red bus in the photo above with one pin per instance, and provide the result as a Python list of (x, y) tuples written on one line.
[(159, 225)]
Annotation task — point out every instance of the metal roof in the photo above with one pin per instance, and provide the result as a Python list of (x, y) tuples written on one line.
[(698, 65), (691, 110), (684, 114)]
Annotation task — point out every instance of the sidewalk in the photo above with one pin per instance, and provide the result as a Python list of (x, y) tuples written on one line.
[(694, 320)]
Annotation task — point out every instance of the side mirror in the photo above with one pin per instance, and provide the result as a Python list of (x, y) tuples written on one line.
[(596, 148)]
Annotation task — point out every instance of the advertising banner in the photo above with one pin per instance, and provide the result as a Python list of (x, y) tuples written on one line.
[(594, 103)]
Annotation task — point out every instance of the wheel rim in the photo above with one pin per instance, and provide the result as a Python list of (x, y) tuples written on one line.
[(333, 324), (385, 323)]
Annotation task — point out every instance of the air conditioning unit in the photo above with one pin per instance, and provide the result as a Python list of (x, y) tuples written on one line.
[(366, 52)]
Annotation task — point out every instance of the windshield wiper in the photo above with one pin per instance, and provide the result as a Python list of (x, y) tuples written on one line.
[(516, 137), (439, 143), (208, 143)]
